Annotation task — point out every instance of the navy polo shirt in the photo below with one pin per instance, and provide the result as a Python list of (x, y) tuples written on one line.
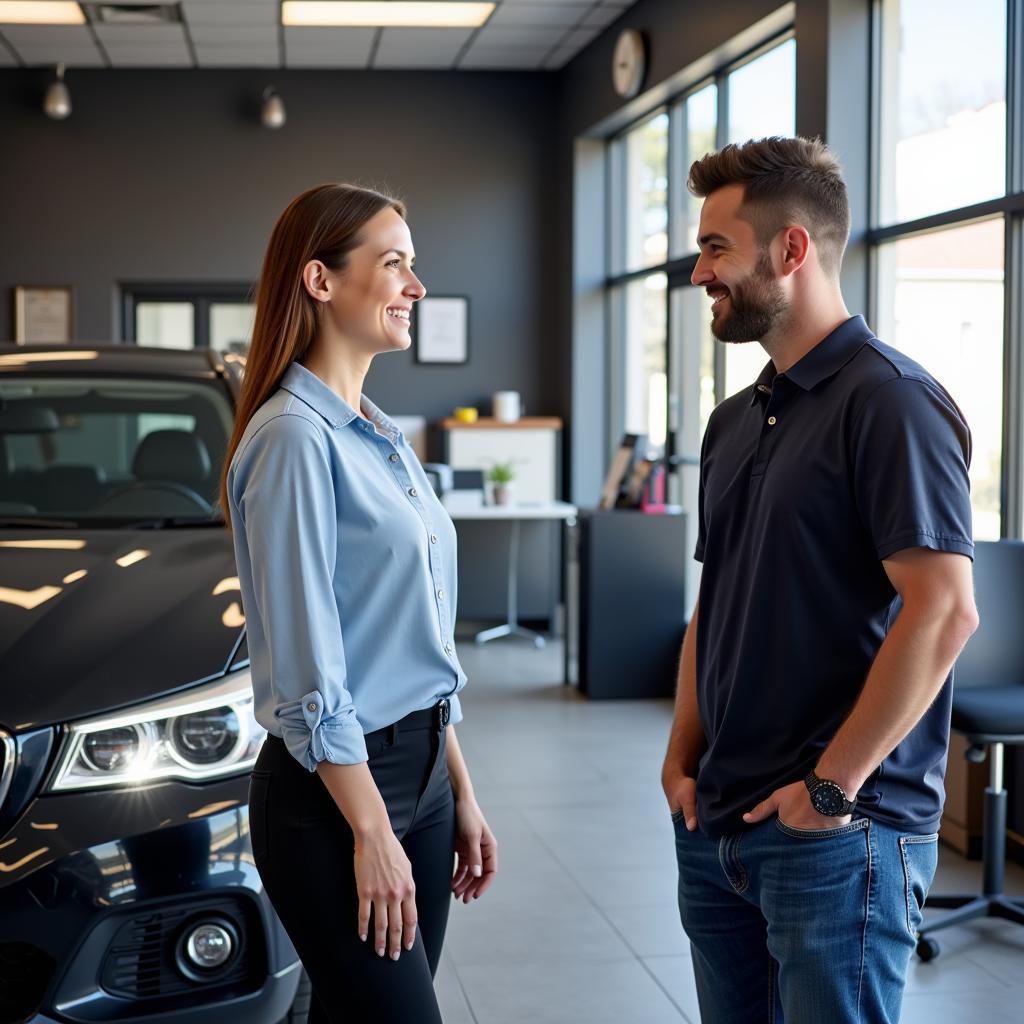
[(809, 479)]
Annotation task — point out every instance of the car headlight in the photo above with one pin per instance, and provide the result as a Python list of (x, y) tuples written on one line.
[(201, 733)]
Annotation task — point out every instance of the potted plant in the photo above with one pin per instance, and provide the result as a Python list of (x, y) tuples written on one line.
[(500, 476)]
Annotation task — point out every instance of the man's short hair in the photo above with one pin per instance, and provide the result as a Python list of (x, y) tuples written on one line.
[(785, 181)]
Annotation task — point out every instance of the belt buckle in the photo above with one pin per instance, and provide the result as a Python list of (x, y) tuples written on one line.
[(442, 713)]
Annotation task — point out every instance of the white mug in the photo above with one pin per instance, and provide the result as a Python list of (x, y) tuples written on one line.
[(506, 406)]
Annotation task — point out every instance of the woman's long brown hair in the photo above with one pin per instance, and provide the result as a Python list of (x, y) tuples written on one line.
[(323, 224)]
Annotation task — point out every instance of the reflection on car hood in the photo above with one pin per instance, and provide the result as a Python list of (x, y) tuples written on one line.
[(92, 620)]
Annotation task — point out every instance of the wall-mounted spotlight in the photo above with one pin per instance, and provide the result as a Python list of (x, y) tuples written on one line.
[(272, 113), (57, 101)]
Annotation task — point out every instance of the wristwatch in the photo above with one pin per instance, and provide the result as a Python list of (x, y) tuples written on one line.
[(828, 798)]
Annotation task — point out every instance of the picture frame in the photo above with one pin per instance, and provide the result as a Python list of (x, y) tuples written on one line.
[(43, 314), (441, 330)]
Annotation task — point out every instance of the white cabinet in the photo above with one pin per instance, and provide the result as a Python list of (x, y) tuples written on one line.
[(531, 444)]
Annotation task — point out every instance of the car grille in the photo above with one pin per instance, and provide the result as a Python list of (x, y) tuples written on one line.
[(25, 973), (141, 962)]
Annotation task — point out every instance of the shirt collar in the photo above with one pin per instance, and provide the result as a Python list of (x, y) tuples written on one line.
[(309, 388), (828, 357)]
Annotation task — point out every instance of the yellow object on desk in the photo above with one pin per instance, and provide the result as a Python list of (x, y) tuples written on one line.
[(466, 414)]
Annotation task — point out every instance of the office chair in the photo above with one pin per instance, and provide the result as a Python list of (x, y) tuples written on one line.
[(988, 708)]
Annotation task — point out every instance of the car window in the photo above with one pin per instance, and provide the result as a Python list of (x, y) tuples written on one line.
[(112, 449)]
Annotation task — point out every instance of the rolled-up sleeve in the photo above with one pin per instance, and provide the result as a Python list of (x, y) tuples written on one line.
[(282, 488)]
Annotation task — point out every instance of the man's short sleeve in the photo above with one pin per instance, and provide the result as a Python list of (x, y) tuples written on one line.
[(910, 453), (698, 552)]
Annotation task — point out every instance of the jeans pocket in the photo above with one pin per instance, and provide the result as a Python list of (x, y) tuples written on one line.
[(259, 798), (821, 833), (919, 855), (677, 816)]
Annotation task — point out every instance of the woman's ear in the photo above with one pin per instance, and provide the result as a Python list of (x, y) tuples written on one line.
[(316, 281)]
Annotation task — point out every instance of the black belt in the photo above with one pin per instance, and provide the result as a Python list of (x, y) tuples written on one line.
[(436, 718)]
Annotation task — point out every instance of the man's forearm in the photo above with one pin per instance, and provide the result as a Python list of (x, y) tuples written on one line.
[(687, 741), (906, 676)]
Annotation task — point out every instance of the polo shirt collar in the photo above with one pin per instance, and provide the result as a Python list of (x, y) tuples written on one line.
[(309, 388), (827, 358)]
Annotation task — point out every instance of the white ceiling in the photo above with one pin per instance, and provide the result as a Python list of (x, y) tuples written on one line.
[(520, 35)]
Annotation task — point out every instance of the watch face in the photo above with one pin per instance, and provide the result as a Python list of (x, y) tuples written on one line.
[(828, 799)]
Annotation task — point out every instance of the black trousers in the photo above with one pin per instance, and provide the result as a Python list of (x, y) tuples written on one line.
[(304, 850)]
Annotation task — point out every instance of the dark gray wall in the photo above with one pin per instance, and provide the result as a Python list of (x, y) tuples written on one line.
[(168, 176)]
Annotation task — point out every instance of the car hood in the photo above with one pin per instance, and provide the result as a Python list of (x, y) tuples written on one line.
[(93, 620)]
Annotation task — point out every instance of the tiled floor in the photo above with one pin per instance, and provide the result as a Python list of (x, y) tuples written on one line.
[(581, 925)]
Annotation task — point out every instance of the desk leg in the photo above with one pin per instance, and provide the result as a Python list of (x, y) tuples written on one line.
[(512, 627)]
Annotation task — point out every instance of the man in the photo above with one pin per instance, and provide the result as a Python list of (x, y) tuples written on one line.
[(807, 754)]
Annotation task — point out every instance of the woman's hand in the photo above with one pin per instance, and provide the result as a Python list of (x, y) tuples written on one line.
[(477, 851), (384, 882)]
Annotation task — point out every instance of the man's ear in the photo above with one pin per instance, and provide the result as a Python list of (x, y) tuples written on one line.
[(796, 247), (316, 281)]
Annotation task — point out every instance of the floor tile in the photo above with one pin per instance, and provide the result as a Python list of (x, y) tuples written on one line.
[(615, 992)]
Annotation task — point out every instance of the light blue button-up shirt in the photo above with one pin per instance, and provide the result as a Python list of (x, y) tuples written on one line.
[(346, 561)]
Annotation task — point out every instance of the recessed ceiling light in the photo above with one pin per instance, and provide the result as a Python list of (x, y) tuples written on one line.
[(40, 12), (393, 14)]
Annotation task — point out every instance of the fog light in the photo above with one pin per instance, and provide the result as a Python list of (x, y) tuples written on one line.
[(209, 946)]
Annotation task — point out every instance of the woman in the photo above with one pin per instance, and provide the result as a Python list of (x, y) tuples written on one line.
[(360, 797)]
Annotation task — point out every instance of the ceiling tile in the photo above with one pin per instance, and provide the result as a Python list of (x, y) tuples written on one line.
[(47, 35), (220, 13), (222, 35), (238, 56), (580, 37), (72, 56), (601, 17), (141, 35), (560, 57), (431, 45), (137, 55), (348, 47), (500, 38), (553, 15)]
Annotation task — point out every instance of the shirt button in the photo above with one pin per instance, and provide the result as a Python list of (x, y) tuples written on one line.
[(413, 492), (433, 538), (772, 421), (311, 707), (447, 648), (440, 595), (393, 457)]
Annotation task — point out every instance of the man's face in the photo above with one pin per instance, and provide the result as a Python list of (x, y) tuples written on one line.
[(736, 271)]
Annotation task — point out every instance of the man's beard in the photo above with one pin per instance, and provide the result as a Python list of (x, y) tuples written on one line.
[(757, 304)]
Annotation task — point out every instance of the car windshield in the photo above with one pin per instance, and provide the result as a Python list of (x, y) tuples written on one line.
[(111, 451)]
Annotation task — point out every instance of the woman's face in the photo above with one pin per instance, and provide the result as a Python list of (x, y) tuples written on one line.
[(372, 298)]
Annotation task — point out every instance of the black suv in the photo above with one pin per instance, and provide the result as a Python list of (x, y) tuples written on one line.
[(127, 886)]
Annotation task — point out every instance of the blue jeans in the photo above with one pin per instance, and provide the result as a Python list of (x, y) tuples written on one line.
[(805, 927)]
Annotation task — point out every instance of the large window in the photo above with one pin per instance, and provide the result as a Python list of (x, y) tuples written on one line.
[(666, 370), (942, 123), (944, 210), (653, 233)]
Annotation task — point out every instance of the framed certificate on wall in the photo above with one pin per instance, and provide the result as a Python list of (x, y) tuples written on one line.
[(442, 329), (42, 314)]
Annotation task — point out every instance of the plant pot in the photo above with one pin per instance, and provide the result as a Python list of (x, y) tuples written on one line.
[(502, 494)]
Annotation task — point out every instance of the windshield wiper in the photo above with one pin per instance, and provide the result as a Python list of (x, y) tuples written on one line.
[(173, 523), (42, 524)]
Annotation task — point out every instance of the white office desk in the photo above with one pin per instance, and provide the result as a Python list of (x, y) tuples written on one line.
[(469, 505)]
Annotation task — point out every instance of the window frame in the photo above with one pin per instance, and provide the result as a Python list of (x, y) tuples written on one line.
[(1011, 206), (201, 296)]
